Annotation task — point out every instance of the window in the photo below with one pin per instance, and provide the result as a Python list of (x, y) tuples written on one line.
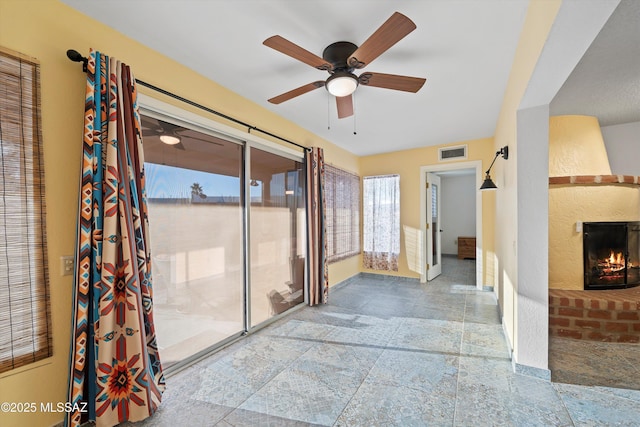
[(381, 222), (342, 199), (25, 332)]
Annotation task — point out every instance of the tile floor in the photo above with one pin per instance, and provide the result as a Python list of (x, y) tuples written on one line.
[(391, 352)]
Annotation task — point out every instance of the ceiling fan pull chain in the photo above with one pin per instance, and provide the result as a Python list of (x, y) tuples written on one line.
[(328, 111), (355, 110)]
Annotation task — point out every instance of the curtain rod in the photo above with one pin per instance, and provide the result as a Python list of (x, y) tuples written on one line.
[(75, 56)]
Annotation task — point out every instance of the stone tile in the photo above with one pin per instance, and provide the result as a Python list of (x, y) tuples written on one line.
[(416, 369), (422, 311), (365, 330), (197, 413), (242, 417), (596, 406), (300, 394), (482, 313), (535, 402), (294, 328), (481, 298), (218, 386), (485, 371), (593, 364), (394, 352), (387, 307), (481, 405), (442, 301), (489, 393), (327, 315), (352, 363), (484, 340), (630, 354), (377, 404), (428, 334), (233, 378)]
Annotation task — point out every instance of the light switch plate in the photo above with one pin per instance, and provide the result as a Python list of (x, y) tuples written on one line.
[(66, 265)]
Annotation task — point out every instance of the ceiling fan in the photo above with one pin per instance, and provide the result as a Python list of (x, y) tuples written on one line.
[(169, 133), (340, 59)]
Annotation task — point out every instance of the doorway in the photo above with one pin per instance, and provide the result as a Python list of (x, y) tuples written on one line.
[(441, 238)]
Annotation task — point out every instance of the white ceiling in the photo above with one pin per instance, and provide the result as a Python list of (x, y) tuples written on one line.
[(606, 81), (464, 48)]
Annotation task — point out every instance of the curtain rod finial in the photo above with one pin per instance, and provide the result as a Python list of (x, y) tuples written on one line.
[(75, 56)]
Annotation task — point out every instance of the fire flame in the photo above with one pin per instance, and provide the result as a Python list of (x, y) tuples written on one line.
[(616, 259), (614, 264)]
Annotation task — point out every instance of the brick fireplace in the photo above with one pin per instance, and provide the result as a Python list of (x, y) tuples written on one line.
[(605, 315), (583, 190), (609, 315)]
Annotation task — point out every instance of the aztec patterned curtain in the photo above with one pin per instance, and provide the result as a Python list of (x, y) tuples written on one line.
[(318, 286), (114, 363)]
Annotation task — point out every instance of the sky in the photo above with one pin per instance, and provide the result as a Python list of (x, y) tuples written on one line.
[(164, 181)]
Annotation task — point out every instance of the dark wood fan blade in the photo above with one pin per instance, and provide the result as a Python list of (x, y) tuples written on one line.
[(389, 33), (296, 92), (149, 122), (345, 106), (189, 134), (392, 81), (296, 52), (208, 141)]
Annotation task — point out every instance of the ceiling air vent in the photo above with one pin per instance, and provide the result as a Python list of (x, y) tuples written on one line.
[(452, 153)]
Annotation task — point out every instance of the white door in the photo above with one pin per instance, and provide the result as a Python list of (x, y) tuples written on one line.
[(433, 227)]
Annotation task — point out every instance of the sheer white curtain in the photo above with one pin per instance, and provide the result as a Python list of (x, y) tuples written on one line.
[(381, 201)]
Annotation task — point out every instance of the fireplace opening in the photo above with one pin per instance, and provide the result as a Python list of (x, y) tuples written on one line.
[(611, 255)]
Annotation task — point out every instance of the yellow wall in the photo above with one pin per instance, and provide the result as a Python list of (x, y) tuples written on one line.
[(571, 203), (576, 147), (407, 164), (45, 30), (538, 22), (342, 270)]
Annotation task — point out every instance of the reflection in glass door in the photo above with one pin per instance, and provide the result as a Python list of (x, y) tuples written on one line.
[(195, 202), (277, 235)]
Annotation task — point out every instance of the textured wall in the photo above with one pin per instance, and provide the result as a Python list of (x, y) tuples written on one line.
[(576, 148), (571, 203)]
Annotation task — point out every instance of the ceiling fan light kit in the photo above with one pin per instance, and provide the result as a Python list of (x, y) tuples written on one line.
[(169, 139), (341, 83), (340, 59)]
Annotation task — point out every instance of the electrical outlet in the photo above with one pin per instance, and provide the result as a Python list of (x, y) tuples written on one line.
[(66, 265)]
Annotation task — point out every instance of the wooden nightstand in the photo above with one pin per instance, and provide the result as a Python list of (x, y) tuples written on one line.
[(466, 247)]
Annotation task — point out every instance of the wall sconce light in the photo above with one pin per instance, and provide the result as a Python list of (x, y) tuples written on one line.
[(488, 183)]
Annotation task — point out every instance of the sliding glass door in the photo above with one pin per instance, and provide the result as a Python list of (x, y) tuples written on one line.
[(227, 227), (277, 230), (194, 193)]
